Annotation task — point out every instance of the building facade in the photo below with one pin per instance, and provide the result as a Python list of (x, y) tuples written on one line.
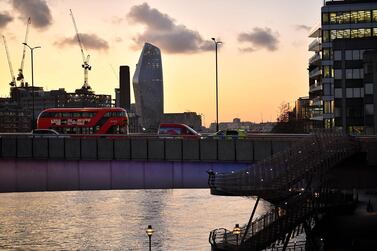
[(21, 102), (148, 87), (191, 119), (348, 29), (370, 92), (124, 87)]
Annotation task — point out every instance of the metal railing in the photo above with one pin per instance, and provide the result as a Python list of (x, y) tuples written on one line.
[(276, 224), (279, 173), (281, 179)]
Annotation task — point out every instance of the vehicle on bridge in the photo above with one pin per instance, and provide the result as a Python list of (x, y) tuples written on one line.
[(44, 132), (229, 134), (173, 130), (109, 120)]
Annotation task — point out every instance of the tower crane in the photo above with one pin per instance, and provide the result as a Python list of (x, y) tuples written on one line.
[(13, 82), (20, 75), (85, 65)]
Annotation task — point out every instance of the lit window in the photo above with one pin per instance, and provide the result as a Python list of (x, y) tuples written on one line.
[(326, 36), (325, 18), (361, 33), (332, 18), (347, 33), (326, 54), (367, 16), (374, 15), (354, 16), (367, 32), (354, 33), (339, 33), (361, 16), (332, 34)]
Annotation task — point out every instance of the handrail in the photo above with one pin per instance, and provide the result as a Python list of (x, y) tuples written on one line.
[(280, 174)]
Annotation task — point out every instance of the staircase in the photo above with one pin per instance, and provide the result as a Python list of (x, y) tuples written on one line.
[(282, 174), (285, 179)]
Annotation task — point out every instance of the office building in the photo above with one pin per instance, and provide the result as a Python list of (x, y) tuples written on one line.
[(336, 71), (148, 87), (370, 92), (14, 118), (20, 104)]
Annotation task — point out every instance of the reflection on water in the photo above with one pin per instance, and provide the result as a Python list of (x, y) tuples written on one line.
[(116, 220)]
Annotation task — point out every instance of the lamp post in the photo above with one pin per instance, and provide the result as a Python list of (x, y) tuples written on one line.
[(217, 85), (32, 77), (149, 232), (236, 231)]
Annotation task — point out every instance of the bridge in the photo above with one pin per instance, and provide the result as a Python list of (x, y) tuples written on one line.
[(38, 163)]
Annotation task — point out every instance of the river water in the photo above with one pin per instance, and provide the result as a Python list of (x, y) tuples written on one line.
[(116, 220)]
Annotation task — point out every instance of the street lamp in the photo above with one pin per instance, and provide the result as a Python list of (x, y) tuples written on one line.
[(217, 86), (236, 231), (149, 232), (32, 76)]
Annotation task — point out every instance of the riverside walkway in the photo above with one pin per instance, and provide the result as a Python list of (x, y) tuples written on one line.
[(294, 181)]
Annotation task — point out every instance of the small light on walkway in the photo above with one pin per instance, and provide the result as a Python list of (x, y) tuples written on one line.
[(149, 232), (236, 231)]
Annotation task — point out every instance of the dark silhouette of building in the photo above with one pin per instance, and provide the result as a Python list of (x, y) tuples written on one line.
[(148, 87), (188, 118), (124, 87), (14, 118), (20, 104)]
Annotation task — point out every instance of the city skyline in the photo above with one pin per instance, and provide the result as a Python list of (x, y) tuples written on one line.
[(255, 45)]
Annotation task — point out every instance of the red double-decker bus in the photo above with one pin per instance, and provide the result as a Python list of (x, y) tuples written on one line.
[(84, 120)]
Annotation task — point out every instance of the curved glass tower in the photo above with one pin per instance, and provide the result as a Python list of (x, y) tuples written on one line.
[(148, 87)]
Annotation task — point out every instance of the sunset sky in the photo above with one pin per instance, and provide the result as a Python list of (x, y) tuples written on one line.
[(262, 62)]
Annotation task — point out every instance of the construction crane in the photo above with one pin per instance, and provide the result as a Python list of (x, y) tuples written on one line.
[(20, 75), (85, 60), (13, 82)]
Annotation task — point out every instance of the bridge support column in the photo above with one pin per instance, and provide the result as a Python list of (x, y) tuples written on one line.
[(250, 220), (287, 241)]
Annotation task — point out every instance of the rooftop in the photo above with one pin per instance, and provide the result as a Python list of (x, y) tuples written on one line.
[(337, 2)]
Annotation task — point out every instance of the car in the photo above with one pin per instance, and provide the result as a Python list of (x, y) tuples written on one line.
[(175, 130), (44, 132), (229, 134), (47, 133)]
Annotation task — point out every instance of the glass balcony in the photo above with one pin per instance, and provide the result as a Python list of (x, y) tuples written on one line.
[(315, 32), (315, 73), (315, 45), (315, 59), (314, 88)]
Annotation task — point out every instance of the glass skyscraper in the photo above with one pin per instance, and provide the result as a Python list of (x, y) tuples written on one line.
[(148, 87)]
